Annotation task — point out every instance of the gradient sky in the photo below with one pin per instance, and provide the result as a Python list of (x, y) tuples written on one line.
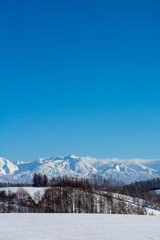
[(79, 77)]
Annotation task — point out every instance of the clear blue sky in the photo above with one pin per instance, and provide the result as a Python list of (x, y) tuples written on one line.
[(80, 77)]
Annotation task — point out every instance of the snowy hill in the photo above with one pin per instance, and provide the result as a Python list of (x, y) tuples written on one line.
[(116, 197), (124, 170)]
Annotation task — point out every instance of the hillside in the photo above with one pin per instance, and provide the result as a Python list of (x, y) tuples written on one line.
[(118, 199)]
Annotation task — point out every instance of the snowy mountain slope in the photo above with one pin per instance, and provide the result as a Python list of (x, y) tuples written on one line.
[(7, 167), (124, 170)]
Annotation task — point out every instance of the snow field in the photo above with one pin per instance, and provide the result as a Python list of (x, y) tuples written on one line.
[(78, 226)]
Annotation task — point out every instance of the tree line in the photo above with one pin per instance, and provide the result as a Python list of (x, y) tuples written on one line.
[(66, 195), (75, 195)]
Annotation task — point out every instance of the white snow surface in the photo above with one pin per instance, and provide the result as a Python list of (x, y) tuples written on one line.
[(37, 226), (7, 167), (157, 191), (126, 170)]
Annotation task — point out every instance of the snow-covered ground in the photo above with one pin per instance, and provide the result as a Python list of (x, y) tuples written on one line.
[(78, 226), (157, 191)]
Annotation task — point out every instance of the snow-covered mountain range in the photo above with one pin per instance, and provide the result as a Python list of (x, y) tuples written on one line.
[(126, 170)]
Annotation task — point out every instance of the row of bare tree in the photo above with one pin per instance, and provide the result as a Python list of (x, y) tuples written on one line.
[(67, 195), (75, 195)]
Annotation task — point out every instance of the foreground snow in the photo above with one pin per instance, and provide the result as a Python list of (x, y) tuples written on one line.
[(78, 226)]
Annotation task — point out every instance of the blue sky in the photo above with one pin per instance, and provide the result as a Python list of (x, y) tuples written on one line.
[(79, 77)]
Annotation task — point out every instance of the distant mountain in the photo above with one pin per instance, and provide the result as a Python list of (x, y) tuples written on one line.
[(128, 171)]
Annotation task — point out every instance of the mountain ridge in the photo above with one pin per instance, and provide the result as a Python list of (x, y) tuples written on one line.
[(126, 170)]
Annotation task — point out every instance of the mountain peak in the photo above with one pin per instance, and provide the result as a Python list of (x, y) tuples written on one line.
[(71, 156)]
